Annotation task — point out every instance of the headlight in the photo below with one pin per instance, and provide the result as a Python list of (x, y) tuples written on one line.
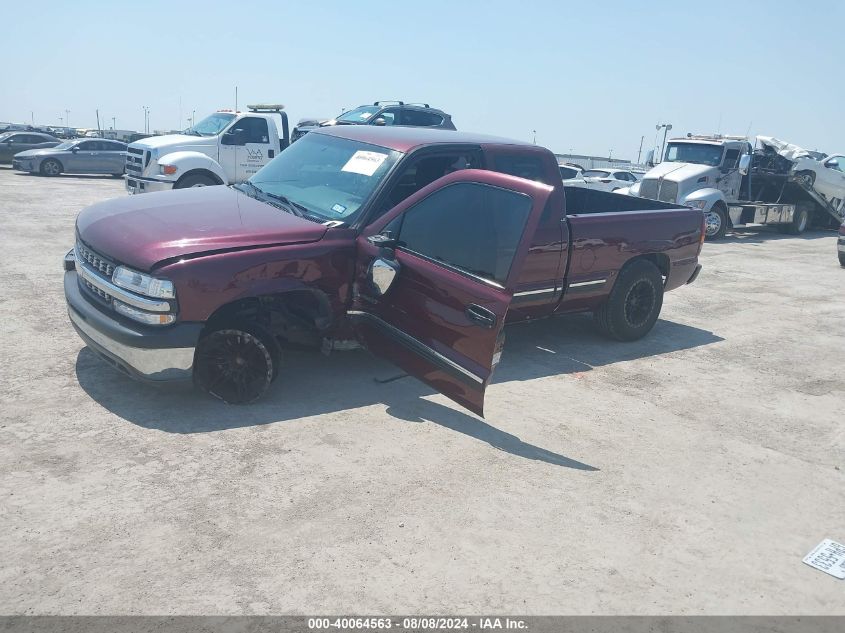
[(696, 204), (167, 170), (143, 284), (150, 318)]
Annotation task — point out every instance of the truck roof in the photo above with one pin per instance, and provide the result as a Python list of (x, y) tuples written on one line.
[(404, 139)]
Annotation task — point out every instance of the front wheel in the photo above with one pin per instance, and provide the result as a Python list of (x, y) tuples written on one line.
[(196, 180), (806, 178), (51, 167), (715, 223), (236, 365), (634, 304)]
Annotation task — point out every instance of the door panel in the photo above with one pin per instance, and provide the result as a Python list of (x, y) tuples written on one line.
[(441, 318)]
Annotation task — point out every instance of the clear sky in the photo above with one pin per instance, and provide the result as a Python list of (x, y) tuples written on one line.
[(587, 76)]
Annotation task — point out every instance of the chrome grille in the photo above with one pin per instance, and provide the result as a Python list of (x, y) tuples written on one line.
[(648, 188), (135, 160), (103, 295), (94, 260), (668, 191)]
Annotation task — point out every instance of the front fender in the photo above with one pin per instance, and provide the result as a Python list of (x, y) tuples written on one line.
[(188, 161), (709, 195)]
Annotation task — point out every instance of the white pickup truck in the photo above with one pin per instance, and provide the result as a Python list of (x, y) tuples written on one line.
[(224, 148)]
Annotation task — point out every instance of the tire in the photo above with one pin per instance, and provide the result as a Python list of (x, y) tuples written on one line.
[(806, 178), (51, 167), (236, 364), (799, 222), (195, 180), (715, 222), (634, 304), (842, 259)]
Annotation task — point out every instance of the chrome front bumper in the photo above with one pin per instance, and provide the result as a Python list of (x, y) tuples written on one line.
[(136, 184), (151, 354), (157, 365)]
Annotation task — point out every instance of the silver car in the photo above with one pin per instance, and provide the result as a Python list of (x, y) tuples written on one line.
[(79, 156)]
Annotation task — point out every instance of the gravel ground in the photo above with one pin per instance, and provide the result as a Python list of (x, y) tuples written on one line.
[(686, 473)]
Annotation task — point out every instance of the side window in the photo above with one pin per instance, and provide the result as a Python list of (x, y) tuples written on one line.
[(390, 116), (87, 146), (424, 171), (478, 228), (421, 118), (113, 147), (567, 172), (254, 130), (522, 165), (835, 162), (731, 159)]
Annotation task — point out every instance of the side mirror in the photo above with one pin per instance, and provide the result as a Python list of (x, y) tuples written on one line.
[(380, 121), (832, 163), (744, 164), (649, 158), (381, 274), (233, 137), (74, 149)]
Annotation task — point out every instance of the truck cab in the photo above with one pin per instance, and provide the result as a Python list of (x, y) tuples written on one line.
[(224, 148), (703, 172)]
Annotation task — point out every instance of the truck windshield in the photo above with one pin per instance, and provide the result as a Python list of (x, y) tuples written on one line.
[(358, 115), (331, 178), (211, 125), (697, 153)]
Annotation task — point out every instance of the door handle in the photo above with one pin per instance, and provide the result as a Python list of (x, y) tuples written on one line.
[(480, 316)]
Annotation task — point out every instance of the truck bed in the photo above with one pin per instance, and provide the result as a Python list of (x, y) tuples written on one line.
[(582, 201)]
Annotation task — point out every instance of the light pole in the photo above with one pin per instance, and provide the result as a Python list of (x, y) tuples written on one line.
[(146, 119), (113, 123), (666, 127), (610, 156), (535, 136), (193, 115), (67, 118)]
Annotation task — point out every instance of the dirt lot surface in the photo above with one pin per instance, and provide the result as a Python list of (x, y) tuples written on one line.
[(685, 473)]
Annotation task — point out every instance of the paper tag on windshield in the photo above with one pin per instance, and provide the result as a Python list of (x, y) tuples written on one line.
[(364, 163)]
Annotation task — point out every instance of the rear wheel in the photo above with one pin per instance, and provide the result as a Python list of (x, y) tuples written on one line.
[(195, 180), (634, 303), (715, 222), (51, 167), (799, 222), (236, 364)]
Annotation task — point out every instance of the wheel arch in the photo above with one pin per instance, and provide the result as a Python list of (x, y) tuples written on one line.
[(55, 160), (299, 315)]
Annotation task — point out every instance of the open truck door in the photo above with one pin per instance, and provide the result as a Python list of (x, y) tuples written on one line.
[(434, 278)]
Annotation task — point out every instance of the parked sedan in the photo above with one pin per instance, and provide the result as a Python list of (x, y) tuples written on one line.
[(608, 179), (80, 156), (13, 142)]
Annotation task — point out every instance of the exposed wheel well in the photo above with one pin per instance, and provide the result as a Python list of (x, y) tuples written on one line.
[(199, 172), (658, 259), (299, 317)]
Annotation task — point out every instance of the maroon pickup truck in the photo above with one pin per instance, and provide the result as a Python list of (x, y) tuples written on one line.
[(417, 244)]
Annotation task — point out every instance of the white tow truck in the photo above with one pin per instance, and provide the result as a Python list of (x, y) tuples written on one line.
[(224, 148), (734, 185)]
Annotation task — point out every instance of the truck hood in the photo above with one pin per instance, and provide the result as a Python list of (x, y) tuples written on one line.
[(681, 172), (141, 231), (172, 141)]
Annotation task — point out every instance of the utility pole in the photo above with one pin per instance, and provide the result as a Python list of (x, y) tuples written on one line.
[(236, 98), (99, 129), (146, 119), (610, 156), (32, 117), (113, 124), (67, 118), (193, 117), (640, 151), (535, 136)]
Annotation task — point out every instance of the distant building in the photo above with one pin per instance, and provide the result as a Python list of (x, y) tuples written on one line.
[(592, 162)]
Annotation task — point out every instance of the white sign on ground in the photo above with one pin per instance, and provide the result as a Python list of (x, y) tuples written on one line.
[(829, 557)]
